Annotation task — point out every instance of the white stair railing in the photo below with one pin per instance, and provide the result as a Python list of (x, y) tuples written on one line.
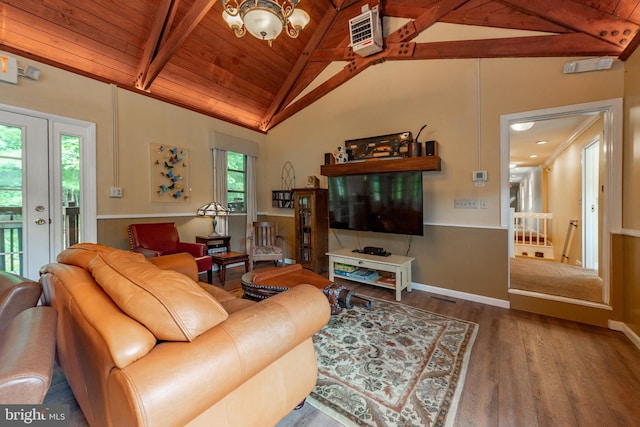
[(531, 228)]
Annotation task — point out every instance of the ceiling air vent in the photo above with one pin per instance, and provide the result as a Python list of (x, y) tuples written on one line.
[(366, 32)]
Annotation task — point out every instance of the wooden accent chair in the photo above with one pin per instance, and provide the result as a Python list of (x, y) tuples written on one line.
[(162, 238), (266, 244)]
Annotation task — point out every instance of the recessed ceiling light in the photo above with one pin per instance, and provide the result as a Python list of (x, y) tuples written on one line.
[(541, 142), (519, 127), (533, 156)]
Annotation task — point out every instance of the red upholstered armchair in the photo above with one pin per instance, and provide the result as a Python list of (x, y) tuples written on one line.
[(162, 239)]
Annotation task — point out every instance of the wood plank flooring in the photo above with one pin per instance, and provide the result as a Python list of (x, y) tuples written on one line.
[(525, 369)]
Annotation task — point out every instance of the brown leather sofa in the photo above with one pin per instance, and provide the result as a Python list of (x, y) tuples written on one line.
[(17, 293), (143, 344), (27, 341)]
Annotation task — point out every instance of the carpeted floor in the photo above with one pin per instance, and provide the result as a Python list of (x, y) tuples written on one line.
[(393, 365), (554, 278)]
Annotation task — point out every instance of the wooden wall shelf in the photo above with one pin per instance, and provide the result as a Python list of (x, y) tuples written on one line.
[(425, 163)]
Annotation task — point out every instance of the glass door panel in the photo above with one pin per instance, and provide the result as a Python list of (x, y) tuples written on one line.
[(24, 194)]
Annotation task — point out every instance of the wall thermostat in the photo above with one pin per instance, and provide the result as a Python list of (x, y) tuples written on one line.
[(479, 176)]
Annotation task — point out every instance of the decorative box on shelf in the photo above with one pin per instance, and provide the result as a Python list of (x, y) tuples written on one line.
[(282, 199)]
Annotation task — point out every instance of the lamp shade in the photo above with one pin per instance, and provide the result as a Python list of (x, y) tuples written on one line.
[(234, 21), (299, 18), (212, 209)]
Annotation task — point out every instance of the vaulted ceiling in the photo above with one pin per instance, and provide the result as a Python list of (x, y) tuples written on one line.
[(182, 51)]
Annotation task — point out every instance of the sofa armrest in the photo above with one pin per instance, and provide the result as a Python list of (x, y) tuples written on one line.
[(148, 253), (220, 360), (181, 262), (195, 249), (27, 356), (17, 293)]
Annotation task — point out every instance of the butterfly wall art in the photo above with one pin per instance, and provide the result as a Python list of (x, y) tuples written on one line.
[(169, 173)]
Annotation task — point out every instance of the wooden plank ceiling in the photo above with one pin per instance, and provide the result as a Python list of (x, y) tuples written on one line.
[(182, 52)]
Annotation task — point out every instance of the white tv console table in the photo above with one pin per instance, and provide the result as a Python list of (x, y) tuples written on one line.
[(399, 265)]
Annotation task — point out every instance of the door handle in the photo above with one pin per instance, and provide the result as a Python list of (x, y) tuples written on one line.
[(41, 221)]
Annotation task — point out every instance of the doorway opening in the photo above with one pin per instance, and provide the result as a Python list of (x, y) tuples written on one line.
[(47, 188), (554, 189)]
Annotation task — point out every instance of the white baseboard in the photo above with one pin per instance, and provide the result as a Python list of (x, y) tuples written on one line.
[(622, 327), (461, 295)]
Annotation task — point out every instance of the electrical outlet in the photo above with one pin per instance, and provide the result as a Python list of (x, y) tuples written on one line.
[(484, 204), (115, 192), (465, 203)]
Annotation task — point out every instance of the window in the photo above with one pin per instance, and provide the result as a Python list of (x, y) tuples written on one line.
[(236, 182)]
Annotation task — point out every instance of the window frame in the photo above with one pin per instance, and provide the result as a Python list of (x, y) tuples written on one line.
[(230, 192)]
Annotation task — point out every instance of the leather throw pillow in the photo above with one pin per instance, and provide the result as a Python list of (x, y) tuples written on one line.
[(171, 305)]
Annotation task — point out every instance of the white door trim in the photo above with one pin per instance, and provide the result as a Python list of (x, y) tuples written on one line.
[(87, 132), (612, 215)]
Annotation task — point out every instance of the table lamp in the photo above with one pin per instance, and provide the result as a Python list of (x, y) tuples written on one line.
[(213, 209)]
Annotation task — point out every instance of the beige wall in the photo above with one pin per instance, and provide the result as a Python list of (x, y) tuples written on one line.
[(630, 276), (398, 96), (564, 180), (141, 121)]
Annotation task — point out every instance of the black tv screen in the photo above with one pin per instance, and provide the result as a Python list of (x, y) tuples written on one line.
[(382, 202)]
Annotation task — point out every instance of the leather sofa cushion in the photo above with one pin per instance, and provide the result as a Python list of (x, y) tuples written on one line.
[(81, 254), (172, 306)]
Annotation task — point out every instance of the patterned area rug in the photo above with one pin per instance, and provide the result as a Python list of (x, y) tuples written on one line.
[(394, 365)]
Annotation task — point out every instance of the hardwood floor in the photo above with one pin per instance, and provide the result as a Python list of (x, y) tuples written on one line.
[(532, 370), (525, 369)]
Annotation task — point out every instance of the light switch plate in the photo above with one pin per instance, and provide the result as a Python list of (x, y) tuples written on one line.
[(115, 192)]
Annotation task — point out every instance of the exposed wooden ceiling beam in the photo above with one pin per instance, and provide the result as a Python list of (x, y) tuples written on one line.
[(431, 15), (300, 65), (395, 49), (573, 44), (352, 69), (578, 17), (188, 23), (151, 45)]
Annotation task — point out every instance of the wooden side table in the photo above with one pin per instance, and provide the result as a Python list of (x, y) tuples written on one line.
[(222, 259), (215, 243)]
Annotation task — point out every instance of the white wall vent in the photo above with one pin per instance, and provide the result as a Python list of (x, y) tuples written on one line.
[(366, 32)]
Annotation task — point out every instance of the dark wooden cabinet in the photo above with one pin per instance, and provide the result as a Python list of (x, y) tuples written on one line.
[(312, 228)]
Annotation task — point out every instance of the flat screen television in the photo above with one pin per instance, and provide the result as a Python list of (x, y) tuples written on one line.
[(383, 202)]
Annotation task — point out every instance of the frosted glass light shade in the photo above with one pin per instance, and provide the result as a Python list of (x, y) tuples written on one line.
[(299, 18), (263, 24), (232, 20)]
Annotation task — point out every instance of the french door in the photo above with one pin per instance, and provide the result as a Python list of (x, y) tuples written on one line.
[(47, 189)]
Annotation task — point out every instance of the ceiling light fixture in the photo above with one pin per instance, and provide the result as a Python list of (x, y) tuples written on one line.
[(264, 19), (541, 142), (519, 127)]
